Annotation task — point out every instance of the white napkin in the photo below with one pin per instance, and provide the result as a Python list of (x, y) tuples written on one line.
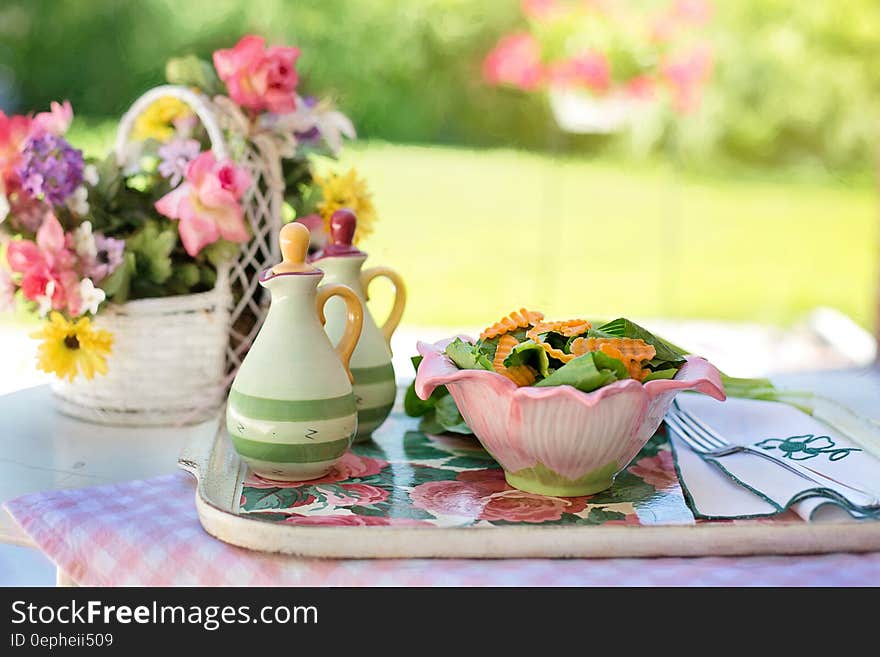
[(751, 486)]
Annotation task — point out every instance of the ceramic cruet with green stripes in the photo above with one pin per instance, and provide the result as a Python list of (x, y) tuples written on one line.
[(374, 385), (291, 413)]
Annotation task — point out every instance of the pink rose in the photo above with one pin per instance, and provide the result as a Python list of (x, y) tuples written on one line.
[(484, 495), (658, 471), (257, 78), (348, 467), (208, 203)]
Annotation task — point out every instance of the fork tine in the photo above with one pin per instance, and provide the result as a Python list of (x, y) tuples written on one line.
[(686, 439), (713, 439), (687, 436), (705, 428)]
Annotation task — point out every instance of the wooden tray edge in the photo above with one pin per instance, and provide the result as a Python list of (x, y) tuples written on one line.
[(216, 505)]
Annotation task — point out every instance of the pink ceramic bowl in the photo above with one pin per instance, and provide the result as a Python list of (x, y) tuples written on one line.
[(558, 440)]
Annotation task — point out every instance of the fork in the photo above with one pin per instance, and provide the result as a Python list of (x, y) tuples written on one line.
[(704, 440)]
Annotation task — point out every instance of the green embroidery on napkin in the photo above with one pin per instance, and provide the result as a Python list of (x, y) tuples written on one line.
[(805, 447)]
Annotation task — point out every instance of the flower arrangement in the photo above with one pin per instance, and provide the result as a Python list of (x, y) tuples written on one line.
[(81, 232), (631, 49)]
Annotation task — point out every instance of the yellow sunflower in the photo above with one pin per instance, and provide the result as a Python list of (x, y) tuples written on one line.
[(70, 348), (157, 121), (347, 191)]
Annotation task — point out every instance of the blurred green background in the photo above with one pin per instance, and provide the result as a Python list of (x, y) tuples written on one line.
[(759, 206)]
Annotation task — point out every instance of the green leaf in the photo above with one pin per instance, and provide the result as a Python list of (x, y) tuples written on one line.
[(116, 286), (414, 406), (668, 373), (581, 373), (192, 71), (448, 416), (529, 353), (184, 277), (220, 252), (624, 328), (429, 424), (467, 356), (605, 362), (152, 247)]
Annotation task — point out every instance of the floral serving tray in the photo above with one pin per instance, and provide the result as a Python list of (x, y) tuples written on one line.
[(411, 494)]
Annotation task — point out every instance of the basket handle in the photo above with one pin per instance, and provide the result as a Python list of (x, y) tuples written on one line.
[(197, 102)]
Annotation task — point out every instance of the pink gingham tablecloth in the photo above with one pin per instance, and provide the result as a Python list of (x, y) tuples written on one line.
[(147, 533)]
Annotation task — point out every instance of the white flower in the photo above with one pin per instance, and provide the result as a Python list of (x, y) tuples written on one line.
[(78, 201), (333, 125), (84, 241), (4, 206), (330, 123), (90, 174), (45, 301), (90, 296)]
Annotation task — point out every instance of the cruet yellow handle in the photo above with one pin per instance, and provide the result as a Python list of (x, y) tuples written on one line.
[(396, 313), (353, 322)]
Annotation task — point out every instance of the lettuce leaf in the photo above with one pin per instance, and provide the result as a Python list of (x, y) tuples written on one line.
[(668, 373), (587, 372), (624, 328), (438, 412), (467, 356), (529, 353), (448, 417)]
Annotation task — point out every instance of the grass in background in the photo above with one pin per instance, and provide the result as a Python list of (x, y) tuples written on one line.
[(479, 233)]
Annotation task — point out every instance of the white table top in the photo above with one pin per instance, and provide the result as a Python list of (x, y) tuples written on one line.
[(41, 449)]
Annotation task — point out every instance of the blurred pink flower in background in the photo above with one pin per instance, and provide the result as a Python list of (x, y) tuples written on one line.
[(14, 131), (540, 9), (681, 15), (591, 70), (516, 60), (208, 203), (641, 87), (318, 235), (57, 120), (695, 12), (685, 73), (258, 78)]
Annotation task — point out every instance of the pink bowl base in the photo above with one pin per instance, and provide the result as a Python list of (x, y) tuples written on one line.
[(560, 441)]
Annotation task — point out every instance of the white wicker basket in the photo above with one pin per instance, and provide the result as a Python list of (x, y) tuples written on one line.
[(173, 357), (167, 365)]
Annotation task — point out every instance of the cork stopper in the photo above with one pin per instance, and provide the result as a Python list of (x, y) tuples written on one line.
[(294, 242), (343, 225)]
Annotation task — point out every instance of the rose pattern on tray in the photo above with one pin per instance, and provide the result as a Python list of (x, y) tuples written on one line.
[(451, 481)]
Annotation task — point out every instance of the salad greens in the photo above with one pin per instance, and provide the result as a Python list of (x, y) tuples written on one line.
[(586, 373)]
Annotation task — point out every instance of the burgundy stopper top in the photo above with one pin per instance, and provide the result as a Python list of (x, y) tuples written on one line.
[(343, 224)]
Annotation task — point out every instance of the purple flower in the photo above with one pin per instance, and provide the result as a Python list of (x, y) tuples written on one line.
[(176, 156), (108, 256), (51, 168)]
